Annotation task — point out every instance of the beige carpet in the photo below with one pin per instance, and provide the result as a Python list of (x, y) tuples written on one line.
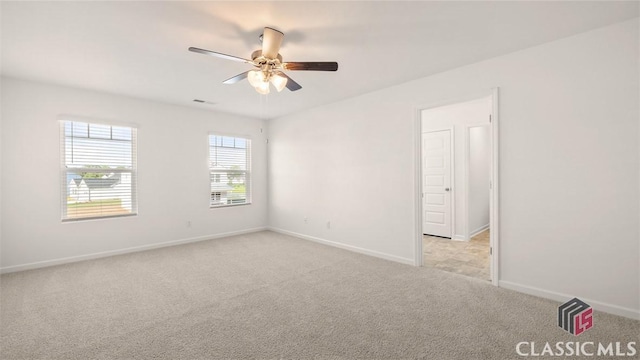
[(270, 296)]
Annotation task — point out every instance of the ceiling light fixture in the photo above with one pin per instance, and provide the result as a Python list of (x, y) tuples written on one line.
[(260, 80)]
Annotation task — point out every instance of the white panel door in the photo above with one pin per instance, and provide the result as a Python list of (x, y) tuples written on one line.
[(436, 183)]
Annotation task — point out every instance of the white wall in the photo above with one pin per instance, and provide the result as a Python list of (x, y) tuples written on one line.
[(569, 166), (173, 179), (1, 146), (479, 139), (458, 117)]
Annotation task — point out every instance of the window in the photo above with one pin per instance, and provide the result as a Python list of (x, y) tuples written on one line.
[(229, 170), (98, 170)]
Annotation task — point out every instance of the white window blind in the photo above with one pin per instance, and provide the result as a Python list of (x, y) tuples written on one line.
[(98, 170), (229, 170)]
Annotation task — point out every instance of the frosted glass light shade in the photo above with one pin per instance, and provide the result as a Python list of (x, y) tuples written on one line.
[(256, 78), (279, 82), (263, 88)]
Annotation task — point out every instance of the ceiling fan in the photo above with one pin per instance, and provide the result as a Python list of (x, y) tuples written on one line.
[(270, 65)]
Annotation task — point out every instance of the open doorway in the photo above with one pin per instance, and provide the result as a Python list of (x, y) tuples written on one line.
[(457, 205)]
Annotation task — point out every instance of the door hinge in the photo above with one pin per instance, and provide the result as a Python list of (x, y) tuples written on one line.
[(267, 141), (489, 117), (490, 251)]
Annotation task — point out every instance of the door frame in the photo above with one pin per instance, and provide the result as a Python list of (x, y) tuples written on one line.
[(467, 153), (452, 188), (494, 198)]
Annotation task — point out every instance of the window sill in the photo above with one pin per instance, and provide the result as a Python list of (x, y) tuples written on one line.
[(228, 205), (97, 218)]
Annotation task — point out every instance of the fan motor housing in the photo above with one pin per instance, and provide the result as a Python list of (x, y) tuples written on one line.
[(256, 55)]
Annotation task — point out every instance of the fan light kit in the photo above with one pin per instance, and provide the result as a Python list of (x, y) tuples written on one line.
[(270, 65), (260, 81)]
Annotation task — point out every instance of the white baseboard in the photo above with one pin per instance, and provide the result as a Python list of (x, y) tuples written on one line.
[(478, 231), (459, 238), (345, 247), (71, 259), (552, 295)]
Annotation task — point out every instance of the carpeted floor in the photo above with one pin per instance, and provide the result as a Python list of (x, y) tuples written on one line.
[(271, 296)]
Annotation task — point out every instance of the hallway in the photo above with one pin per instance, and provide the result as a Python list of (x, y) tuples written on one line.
[(470, 258)]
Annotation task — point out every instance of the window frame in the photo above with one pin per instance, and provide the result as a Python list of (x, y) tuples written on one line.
[(62, 120), (247, 173)]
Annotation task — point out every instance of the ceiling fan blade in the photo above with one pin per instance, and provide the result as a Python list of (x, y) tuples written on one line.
[(311, 66), (220, 55), (291, 85), (236, 78), (271, 41)]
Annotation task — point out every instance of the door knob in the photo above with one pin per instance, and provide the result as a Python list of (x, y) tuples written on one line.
[(446, 189)]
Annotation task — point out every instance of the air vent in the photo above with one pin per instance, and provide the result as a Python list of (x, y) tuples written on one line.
[(204, 102)]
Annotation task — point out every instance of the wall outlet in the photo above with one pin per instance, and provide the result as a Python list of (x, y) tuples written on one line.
[(188, 223), (305, 220), (328, 224)]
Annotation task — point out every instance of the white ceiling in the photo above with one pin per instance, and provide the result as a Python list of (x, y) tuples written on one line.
[(140, 48)]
